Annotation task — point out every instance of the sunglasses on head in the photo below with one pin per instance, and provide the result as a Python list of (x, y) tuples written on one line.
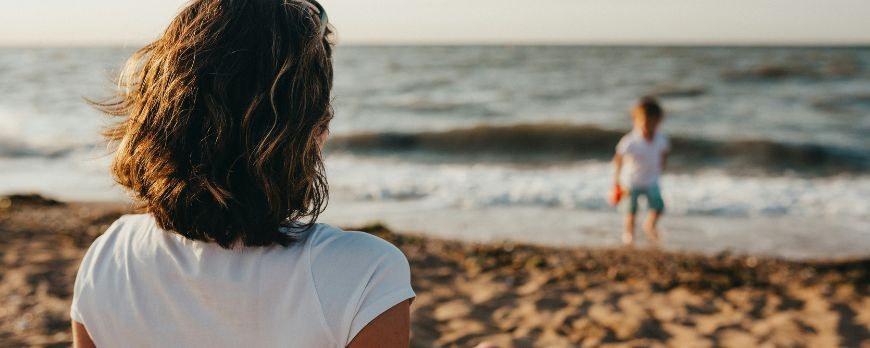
[(317, 8)]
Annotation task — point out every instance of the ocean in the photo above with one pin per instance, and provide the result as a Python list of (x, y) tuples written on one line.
[(771, 146)]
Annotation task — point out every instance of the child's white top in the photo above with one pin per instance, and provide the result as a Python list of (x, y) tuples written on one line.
[(642, 160), (139, 286)]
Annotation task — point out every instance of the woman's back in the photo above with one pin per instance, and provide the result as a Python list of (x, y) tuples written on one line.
[(142, 286), (222, 122)]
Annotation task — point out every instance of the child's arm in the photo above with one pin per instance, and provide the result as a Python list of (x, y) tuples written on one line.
[(617, 166)]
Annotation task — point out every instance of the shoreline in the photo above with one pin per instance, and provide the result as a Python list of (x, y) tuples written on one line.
[(791, 238), (512, 294), (708, 236)]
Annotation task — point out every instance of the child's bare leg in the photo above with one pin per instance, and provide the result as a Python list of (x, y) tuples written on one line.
[(650, 226), (628, 233)]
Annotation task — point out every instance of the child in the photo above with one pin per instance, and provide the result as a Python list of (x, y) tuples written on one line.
[(643, 151)]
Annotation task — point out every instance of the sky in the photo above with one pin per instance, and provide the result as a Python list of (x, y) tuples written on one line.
[(649, 22)]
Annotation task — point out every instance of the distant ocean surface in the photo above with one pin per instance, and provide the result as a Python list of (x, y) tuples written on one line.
[(759, 134)]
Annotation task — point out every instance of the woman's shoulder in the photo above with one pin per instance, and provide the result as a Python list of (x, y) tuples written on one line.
[(130, 221), (116, 239), (107, 253), (125, 227), (357, 276), (339, 254), (331, 240)]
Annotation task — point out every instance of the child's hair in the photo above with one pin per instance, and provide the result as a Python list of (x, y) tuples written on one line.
[(650, 107), (221, 121)]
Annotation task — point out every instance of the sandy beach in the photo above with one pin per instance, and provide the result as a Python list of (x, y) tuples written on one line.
[(513, 295)]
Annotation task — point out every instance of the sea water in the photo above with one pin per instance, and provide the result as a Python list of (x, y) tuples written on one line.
[(772, 145)]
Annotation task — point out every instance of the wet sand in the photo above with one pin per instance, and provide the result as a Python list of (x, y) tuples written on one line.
[(793, 238), (513, 295)]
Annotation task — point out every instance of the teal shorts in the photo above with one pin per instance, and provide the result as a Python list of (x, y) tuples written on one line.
[(653, 197)]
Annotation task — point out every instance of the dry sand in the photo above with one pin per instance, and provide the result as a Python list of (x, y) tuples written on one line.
[(508, 294)]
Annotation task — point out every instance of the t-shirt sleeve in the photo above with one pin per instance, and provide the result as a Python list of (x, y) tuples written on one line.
[(74, 312), (622, 146), (85, 292), (357, 277), (84, 283), (389, 285)]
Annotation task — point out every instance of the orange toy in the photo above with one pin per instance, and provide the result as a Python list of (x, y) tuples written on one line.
[(615, 195)]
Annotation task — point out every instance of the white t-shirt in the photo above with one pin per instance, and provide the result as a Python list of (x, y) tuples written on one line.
[(139, 286), (642, 160)]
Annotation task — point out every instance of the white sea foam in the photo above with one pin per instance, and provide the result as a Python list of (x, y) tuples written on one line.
[(584, 186)]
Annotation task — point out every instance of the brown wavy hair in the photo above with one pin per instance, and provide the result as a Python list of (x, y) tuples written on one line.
[(222, 119)]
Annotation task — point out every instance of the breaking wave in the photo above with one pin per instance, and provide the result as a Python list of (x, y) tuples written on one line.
[(561, 143)]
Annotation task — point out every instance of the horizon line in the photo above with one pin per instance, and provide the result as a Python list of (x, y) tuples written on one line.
[(663, 44)]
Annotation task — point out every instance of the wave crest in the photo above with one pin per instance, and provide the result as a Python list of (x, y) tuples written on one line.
[(559, 143)]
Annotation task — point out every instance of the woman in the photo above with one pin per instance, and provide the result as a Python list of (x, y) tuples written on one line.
[(223, 119)]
